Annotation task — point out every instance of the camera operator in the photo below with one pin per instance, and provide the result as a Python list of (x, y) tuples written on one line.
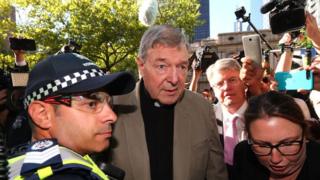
[(285, 62), (20, 66), (200, 61), (193, 86), (13, 122)]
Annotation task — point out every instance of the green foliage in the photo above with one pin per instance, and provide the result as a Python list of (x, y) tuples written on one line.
[(108, 30), (180, 13), (303, 40), (6, 26)]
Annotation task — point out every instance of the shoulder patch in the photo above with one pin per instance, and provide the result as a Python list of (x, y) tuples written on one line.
[(41, 154), (42, 144)]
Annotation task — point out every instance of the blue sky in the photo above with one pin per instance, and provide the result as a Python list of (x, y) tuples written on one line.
[(222, 15)]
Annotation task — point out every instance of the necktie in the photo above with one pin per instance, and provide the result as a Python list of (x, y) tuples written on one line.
[(230, 141)]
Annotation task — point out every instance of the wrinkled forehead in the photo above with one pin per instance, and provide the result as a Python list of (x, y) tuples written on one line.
[(224, 74), (179, 47), (164, 50)]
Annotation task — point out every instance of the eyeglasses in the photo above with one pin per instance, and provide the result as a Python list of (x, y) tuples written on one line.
[(87, 102), (285, 148), (231, 81)]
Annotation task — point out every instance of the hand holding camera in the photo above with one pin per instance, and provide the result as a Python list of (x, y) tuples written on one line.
[(22, 44), (13, 81), (203, 57)]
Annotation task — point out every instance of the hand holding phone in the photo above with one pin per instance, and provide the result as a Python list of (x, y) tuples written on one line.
[(252, 48), (22, 44)]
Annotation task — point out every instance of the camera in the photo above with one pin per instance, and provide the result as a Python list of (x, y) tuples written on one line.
[(204, 57), (71, 47), (14, 80), (240, 12), (15, 84), (285, 15)]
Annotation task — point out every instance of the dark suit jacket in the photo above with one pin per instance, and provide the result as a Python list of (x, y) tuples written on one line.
[(197, 151), (247, 166)]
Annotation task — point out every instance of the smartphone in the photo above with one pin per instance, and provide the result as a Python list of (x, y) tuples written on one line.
[(294, 80), (22, 44), (252, 48)]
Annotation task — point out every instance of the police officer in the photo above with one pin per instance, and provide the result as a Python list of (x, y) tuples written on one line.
[(68, 99)]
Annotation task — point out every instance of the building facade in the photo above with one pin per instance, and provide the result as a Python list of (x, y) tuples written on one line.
[(228, 45)]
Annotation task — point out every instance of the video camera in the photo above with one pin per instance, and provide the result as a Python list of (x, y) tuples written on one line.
[(204, 56), (15, 83), (15, 79), (71, 47), (285, 15)]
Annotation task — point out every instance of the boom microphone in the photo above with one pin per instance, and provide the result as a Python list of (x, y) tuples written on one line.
[(268, 6), (148, 10)]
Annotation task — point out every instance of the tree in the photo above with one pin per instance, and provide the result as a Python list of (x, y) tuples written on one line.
[(108, 30), (180, 13), (7, 26)]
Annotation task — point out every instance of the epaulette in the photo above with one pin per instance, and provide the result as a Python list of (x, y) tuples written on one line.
[(18, 150), (40, 154)]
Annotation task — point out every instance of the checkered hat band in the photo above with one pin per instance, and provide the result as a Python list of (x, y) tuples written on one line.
[(61, 83)]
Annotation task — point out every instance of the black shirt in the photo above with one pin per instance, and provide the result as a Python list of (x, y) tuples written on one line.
[(158, 122), (248, 167)]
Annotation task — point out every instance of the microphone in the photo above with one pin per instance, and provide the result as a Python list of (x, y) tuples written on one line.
[(284, 3), (148, 10), (268, 6), (113, 172)]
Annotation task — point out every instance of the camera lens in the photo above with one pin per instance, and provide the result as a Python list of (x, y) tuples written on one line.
[(16, 99)]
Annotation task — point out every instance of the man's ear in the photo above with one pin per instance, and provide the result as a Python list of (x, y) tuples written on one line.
[(140, 64), (41, 114)]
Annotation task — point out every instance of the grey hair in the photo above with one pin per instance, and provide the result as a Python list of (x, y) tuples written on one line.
[(164, 35), (221, 65)]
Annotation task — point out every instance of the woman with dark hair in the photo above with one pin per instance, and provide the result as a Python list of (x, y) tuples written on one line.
[(277, 146)]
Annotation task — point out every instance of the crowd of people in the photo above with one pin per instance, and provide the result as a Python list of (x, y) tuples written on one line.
[(154, 128), (248, 98)]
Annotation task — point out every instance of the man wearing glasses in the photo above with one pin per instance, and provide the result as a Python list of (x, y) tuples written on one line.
[(68, 99), (224, 78)]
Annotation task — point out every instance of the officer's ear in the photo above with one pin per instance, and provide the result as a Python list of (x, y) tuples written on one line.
[(41, 114)]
